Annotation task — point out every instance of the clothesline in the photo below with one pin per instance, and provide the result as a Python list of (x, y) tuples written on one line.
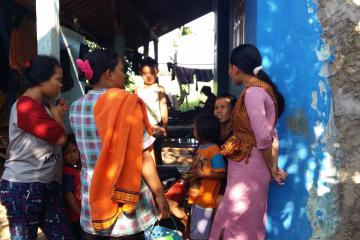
[(191, 63)]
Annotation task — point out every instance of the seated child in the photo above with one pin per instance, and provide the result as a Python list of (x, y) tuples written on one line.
[(71, 184), (206, 173)]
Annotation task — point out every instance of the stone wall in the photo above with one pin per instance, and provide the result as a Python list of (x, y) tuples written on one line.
[(340, 21)]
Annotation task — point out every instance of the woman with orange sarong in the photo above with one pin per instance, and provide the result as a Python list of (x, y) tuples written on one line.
[(118, 178), (251, 150)]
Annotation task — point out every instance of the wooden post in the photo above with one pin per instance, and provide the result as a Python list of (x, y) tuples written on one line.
[(156, 50), (146, 43), (47, 27)]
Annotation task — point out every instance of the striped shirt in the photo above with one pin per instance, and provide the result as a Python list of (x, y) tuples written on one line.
[(89, 143)]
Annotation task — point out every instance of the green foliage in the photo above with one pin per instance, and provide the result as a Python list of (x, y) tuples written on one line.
[(129, 73), (184, 31), (92, 45)]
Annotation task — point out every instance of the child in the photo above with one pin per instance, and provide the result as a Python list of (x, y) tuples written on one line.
[(109, 127), (155, 100), (31, 182), (207, 171), (71, 184)]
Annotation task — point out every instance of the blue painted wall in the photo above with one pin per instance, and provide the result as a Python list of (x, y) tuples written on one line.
[(288, 35)]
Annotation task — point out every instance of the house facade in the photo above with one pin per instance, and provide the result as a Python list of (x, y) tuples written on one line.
[(311, 51)]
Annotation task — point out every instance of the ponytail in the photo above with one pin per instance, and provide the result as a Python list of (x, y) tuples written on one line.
[(247, 58), (262, 75)]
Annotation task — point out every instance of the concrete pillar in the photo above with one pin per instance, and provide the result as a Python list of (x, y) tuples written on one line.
[(47, 27)]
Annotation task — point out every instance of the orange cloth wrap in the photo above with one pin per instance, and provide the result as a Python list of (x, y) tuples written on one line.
[(238, 146), (120, 118)]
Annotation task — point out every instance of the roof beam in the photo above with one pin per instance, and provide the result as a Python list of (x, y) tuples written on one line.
[(71, 20)]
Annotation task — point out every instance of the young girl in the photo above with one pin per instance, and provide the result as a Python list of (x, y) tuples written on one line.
[(207, 171), (156, 104), (105, 185), (71, 184), (31, 183)]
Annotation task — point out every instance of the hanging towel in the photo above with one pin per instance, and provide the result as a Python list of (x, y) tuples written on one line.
[(115, 187), (185, 75), (204, 75), (23, 44)]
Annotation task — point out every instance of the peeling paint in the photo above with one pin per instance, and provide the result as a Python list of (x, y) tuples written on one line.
[(298, 123), (313, 57), (314, 101)]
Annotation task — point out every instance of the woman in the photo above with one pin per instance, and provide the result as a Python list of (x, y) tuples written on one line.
[(249, 150), (31, 183), (111, 128)]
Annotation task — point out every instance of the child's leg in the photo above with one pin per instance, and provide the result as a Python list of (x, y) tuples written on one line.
[(23, 203), (54, 223), (200, 225)]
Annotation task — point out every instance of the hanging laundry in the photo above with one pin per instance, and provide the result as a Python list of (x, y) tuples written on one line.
[(204, 75), (170, 67), (185, 75), (67, 81), (23, 44), (4, 53)]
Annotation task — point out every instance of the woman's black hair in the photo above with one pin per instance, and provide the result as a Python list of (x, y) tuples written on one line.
[(100, 61), (247, 57), (208, 127), (39, 69), (229, 96)]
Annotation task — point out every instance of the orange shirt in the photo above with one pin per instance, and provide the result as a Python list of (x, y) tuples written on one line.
[(209, 159)]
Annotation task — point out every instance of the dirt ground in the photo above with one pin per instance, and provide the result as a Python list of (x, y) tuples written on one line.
[(4, 226), (171, 156)]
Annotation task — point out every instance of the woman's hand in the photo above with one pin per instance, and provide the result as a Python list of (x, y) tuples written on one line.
[(163, 207), (58, 111), (278, 175)]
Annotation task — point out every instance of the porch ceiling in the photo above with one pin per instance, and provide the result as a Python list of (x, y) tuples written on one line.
[(140, 20)]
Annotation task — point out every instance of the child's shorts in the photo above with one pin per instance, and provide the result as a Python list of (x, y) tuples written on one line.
[(200, 223)]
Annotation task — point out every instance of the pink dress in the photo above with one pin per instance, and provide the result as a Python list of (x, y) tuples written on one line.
[(242, 212)]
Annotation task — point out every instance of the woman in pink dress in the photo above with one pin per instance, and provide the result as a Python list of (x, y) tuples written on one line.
[(251, 150)]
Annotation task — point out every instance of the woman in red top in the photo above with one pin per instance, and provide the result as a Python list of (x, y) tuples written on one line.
[(31, 182)]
